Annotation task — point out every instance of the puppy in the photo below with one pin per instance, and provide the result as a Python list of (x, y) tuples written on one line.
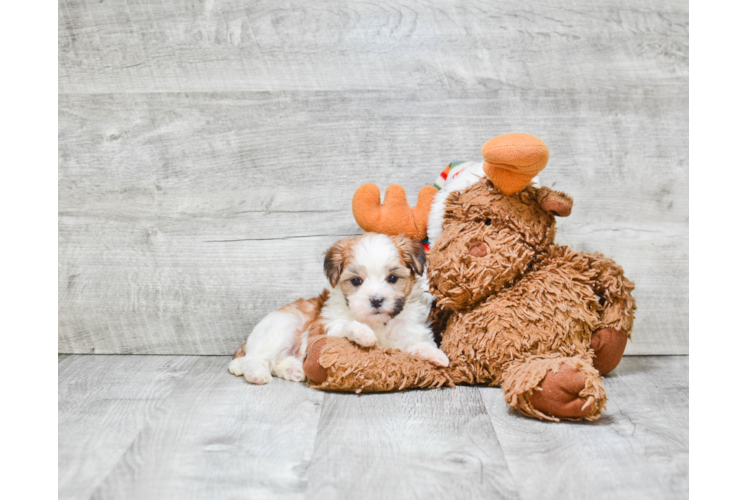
[(377, 296)]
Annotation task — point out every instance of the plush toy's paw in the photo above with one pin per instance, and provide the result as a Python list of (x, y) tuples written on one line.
[(362, 334), (550, 387), (558, 394), (608, 345), (430, 353), (314, 371)]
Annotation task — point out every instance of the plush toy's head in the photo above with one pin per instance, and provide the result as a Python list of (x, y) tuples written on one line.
[(509, 160), (489, 239), (491, 232)]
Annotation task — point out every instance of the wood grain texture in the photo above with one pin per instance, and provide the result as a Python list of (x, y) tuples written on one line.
[(219, 437), (103, 403), (637, 449), (186, 46), (174, 241), (415, 444), (208, 151), (142, 427)]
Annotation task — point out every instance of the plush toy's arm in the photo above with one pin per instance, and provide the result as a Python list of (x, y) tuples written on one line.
[(614, 291), (617, 315), (337, 364)]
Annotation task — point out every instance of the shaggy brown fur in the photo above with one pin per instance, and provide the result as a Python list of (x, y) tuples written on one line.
[(513, 229), (516, 311), (351, 367)]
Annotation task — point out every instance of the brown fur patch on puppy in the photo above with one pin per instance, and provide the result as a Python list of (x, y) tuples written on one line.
[(240, 351), (309, 310), (411, 252), (336, 258)]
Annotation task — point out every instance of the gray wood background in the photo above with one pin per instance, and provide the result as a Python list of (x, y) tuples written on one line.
[(208, 151)]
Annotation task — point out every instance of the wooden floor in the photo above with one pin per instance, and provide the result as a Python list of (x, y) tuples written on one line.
[(163, 427)]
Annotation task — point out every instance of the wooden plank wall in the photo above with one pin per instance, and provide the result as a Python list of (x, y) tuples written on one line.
[(208, 151)]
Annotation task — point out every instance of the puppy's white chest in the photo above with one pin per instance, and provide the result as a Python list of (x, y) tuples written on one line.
[(387, 336)]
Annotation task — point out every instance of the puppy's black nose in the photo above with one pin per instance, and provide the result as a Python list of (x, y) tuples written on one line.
[(376, 302)]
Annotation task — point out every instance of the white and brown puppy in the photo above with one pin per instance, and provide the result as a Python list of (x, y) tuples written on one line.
[(376, 296)]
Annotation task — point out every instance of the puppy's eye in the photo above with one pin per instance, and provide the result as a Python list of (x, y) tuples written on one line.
[(356, 281), (392, 278), (488, 222)]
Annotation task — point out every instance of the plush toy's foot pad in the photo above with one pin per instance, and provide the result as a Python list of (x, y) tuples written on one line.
[(337, 364), (551, 387), (558, 394), (608, 345), (314, 371)]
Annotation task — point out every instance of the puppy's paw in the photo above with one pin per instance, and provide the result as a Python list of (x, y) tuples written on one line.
[(258, 376), (437, 357), (362, 334), (290, 369), (255, 370), (235, 367), (430, 353)]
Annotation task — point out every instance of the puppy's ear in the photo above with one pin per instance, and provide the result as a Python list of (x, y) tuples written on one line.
[(335, 261), (412, 253), (554, 202)]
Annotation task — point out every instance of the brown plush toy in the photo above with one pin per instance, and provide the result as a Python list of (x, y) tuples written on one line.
[(514, 310)]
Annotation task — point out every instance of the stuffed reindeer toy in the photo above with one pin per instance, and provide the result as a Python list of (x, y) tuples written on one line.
[(514, 310)]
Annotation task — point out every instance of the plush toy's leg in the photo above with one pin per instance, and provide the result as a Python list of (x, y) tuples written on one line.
[(608, 344), (617, 315), (550, 387), (337, 364)]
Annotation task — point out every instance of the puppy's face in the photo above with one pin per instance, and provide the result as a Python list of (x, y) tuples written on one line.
[(376, 274)]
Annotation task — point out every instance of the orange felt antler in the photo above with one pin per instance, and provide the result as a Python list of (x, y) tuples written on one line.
[(394, 216), (512, 160)]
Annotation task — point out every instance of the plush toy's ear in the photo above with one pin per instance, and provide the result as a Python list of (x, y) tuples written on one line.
[(555, 202), (335, 261), (394, 216), (412, 253)]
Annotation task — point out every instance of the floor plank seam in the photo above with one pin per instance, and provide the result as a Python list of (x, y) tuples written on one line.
[(316, 438), (501, 448), (104, 478)]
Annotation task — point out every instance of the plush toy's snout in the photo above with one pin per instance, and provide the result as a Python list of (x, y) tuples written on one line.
[(478, 249)]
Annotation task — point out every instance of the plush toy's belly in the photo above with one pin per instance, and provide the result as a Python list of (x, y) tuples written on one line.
[(552, 309)]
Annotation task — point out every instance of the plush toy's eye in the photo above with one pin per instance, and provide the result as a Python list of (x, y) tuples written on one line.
[(356, 281), (392, 279), (488, 222)]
